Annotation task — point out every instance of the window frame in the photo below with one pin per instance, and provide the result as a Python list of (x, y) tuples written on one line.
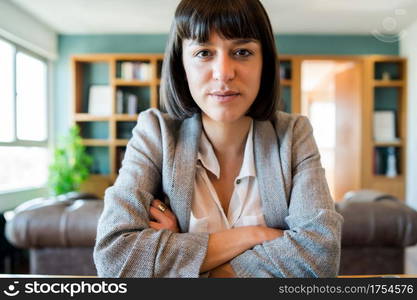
[(28, 143)]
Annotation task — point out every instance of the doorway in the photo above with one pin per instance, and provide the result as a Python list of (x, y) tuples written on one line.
[(331, 94)]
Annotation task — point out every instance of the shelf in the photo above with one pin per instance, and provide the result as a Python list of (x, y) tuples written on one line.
[(95, 142), (388, 83), (122, 82), (121, 142), (388, 144), (126, 117), (383, 177), (90, 118)]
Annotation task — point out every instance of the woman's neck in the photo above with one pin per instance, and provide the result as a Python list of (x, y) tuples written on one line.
[(227, 139)]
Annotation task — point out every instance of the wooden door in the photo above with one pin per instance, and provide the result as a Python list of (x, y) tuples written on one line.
[(348, 91)]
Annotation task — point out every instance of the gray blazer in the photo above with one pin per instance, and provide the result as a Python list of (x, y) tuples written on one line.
[(161, 160)]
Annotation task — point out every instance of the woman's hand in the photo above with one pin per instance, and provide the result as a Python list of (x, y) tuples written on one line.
[(162, 220)]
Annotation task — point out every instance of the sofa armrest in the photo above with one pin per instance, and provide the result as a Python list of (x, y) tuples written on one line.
[(385, 222), (65, 222)]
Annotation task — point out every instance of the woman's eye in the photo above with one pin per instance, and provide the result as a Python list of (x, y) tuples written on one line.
[(243, 53), (203, 54)]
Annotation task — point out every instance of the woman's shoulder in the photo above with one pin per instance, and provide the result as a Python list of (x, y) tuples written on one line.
[(285, 123), (154, 120), (295, 136), (154, 114)]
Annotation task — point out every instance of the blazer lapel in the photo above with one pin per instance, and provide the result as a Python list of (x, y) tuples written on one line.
[(184, 168), (269, 175)]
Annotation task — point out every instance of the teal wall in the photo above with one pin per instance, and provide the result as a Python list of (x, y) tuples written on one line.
[(287, 44), (335, 45)]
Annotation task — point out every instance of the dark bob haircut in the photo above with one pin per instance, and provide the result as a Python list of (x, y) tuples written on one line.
[(231, 19)]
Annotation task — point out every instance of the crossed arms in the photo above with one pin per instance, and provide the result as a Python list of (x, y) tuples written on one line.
[(222, 246)]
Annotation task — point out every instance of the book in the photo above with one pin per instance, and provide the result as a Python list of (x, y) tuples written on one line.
[(145, 71), (384, 126), (135, 70), (99, 100), (132, 104), (127, 70), (380, 159), (119, 102)]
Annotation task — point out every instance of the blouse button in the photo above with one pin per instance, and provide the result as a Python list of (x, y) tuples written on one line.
[(238, 181)]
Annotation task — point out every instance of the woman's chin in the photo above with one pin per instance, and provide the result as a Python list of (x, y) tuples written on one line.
[(225, 117)]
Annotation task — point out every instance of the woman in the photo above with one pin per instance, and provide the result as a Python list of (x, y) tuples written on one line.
[(243, 190)]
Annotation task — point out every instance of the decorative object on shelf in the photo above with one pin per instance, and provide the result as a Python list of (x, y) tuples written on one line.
[(132, 104), (386, 76), (391, 163), (70, 166), (99, 100), (384, 126)]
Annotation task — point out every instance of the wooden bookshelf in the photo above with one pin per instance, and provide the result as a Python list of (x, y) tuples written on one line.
[(107, 136), (385, 94)]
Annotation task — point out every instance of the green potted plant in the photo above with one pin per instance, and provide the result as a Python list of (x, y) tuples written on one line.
[(70, 165)]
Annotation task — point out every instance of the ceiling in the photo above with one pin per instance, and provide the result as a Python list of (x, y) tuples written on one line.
[(287, 16)]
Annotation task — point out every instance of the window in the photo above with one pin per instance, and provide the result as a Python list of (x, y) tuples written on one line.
[(23, 119)]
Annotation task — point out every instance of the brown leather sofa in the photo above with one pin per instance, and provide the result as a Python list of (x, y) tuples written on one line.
[(60, 233)]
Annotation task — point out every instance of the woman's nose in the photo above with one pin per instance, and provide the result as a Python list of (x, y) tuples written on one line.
[(223, 68)]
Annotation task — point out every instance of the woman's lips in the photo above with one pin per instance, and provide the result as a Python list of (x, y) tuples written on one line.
[(223, 98)]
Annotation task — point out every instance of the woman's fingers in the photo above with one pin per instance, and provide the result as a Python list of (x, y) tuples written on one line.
[(159, 215), (155, 225), (156, 202), (162, 219), (165, 219)]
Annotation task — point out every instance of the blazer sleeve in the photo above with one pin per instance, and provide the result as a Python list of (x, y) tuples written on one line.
[(311, 245), (125, 245)]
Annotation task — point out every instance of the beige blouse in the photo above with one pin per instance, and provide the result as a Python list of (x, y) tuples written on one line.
[(245, 206)]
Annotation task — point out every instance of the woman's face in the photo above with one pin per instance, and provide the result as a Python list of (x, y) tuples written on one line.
[(223, 75)]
